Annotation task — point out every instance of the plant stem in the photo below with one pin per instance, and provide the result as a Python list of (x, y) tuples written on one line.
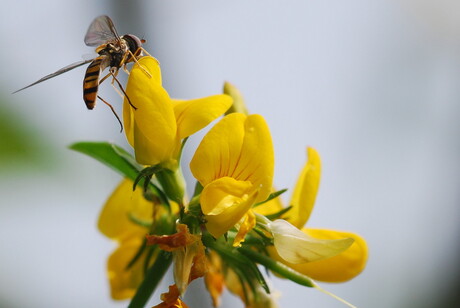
[(151, 280), (277, 267)]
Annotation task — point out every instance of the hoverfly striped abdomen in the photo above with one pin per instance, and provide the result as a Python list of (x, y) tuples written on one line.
[(91, 80)]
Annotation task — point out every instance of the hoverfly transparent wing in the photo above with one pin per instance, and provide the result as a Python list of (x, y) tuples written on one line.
[(59, 72), (100, 31)]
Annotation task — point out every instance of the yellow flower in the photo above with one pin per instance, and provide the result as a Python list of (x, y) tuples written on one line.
[(158, 124), (114, 222), (326, 255), (234, 162), (125, 281)]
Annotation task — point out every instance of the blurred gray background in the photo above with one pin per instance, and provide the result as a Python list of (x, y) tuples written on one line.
[(373, 86)]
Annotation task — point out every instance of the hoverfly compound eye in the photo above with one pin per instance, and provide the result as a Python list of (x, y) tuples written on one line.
[(134, 43)]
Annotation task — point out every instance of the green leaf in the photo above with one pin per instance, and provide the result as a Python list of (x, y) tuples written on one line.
[(118, 159), (111, 155)]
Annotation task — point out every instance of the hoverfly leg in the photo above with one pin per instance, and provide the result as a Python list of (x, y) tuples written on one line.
[(113, 111), (125, 69), (122, 90), (105, 77), (137, 62)]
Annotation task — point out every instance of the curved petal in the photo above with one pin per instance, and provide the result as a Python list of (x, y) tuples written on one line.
[(151, 128), (304, 195), (239, 147), (193, 115), (114, 219), (218, 152), (249, 221), (224, 202), (340, 268), (128, 115), (295, 246), (223, 193), (257, 159)]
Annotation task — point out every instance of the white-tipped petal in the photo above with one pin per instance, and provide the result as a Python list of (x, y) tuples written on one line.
[(297, 247)]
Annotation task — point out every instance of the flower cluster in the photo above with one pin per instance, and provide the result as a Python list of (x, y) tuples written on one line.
[(232, 224)]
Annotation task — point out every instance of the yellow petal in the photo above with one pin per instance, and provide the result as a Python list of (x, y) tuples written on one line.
[(218, 152), (304, 195), (128, 123), (257, 159), (128, 115), (114, 219), (124, 282), (249, 221), (295, 246), (239, 147), (340, 268), (224, 202), (222, 194), (151, 128), (193, 115)]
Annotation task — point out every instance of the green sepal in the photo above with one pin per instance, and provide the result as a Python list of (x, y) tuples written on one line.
[(147, 173), (271, 196), (279, 213)]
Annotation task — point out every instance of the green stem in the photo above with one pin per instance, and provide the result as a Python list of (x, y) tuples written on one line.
[(151, 280), (277, 267), (173, 184)]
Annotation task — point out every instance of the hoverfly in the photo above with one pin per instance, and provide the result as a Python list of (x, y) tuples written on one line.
[(114, 51)]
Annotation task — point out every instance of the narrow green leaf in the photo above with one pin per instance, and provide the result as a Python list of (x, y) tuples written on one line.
[(118, 159), (111, 155), (152, 278), (271, 196)]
